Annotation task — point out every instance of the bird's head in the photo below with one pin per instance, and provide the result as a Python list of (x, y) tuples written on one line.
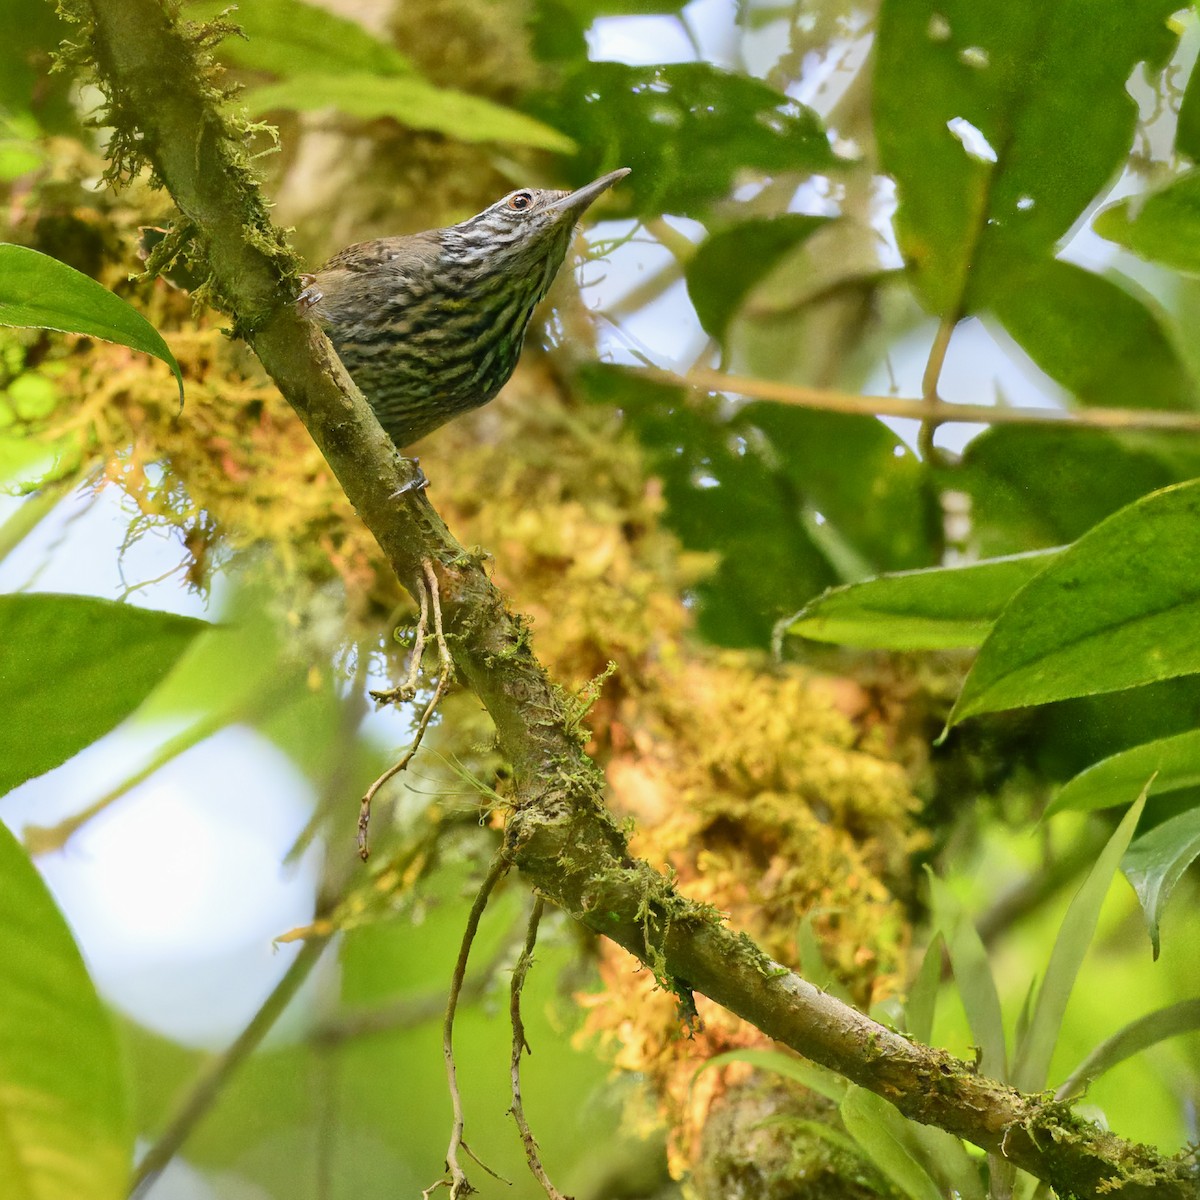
[(528, 232)]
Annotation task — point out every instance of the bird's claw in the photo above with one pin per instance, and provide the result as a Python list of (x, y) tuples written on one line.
[(418, 483), (311, 294)]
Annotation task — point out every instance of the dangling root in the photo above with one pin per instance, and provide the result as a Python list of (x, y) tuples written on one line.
[(430, 602)]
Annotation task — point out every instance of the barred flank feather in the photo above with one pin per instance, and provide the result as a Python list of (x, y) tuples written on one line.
[(431, 325)]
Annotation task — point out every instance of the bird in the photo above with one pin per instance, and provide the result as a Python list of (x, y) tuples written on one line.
[(430, 325)]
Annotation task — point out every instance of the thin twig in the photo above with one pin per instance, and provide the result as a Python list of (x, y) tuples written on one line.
[(412, 1011), (455, 1178), (445, 668), (45, 839), (929, 385), (826, 400), (519, 1046), (208, 1086)]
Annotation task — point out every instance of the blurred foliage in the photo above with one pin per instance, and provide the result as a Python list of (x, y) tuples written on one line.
[(812, 195)]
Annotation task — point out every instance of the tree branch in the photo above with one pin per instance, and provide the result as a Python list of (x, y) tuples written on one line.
[(560, 835), (932, 409)]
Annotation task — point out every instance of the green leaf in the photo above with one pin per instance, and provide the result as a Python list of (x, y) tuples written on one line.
[(1187, 128), (921, 1006), (1046, 487), (1105, 345), (413, 102), (880, 1130), (63, 1105), (1156, 862), (1115, 610), (39, 292), (721, 498), (1162, 227), (728, 264), (1034, 1051), (1045, 86), (828, 462), (28, 88), (1135, 1037), (1174, 763), (289, 37), (690, 131), (73, 667), (920, 610), (974, 979), (817, 1079)]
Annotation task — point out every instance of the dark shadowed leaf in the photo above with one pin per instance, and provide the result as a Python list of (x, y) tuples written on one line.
[(1163, 227), (724, 494), (1043, 88), (63, 1104), (411, 101), (852, 473), (782, 494), (731, 261), (1187, 130), (1097, 339), (73, 667), (1046, 487), (1174, 763), (1156, 862), (919, 610), (32, 30), (1117, 609), (688, 130), (39, 292), (1031, 1064)]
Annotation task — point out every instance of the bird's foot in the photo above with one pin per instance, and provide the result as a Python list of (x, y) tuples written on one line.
[(311, 294), (418, 483)]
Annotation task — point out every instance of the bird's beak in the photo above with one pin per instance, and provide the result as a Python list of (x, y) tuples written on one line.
[(577, 201)]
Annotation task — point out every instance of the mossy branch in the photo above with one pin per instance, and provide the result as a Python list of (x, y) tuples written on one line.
[(164, 102)]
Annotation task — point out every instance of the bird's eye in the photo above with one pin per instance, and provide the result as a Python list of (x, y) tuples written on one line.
[(520, 201)]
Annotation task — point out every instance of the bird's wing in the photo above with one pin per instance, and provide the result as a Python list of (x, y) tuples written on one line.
[(393, 253)]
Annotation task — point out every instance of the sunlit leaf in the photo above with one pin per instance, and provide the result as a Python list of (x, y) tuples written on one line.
[(1104, 344), (1135, 1037), (1000, 123), (816, 1078), (1174, 763), (411, 101), (289, 37), (921, 1005), (879, 1130), (1156, 862), (73, 667), (1117, 609), (63, 1104), (919, 610), (1031, 1062), (731, 261), (39, 292), (974, 979), (688, 130)]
